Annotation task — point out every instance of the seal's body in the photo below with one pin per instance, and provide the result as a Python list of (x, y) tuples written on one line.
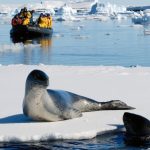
[(54, 105)]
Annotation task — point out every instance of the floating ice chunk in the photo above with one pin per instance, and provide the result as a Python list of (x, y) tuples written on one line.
[(110, 9), (66, 18), (66, 13), (11, 47), (81, 37), (29, 46), (137, 26), (146, 32), (77, 28), (118, 16), (17, 47), (143, 17), (58, 35), (66, 10), (102, 18)]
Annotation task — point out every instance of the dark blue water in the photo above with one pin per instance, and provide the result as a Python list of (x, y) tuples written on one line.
[(87, 42), (103, 142)]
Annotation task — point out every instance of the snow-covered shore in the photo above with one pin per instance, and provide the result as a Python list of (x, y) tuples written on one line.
[(101, 83)]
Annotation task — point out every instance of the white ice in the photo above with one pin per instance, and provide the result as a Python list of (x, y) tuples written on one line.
[(101, 83)]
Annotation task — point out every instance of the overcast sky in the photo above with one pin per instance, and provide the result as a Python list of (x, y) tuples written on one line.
[(120, 2)]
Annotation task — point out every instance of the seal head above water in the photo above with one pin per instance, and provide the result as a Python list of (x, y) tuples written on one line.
[(137, 129)]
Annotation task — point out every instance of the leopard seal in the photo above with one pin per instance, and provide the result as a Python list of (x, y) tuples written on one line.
[(137, 129), (45, 104)]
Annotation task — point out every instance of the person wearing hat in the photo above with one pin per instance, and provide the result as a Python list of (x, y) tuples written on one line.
[(49, 21), (42, 21), (26, 16)]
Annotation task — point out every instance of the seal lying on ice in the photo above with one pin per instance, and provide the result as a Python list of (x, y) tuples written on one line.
[(137, 129), (54, 105)]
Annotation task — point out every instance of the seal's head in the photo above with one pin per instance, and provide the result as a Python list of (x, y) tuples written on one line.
[(38, 77), (136, 125)]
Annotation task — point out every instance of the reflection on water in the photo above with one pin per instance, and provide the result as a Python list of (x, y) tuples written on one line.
[(33, 50), (45, 43)]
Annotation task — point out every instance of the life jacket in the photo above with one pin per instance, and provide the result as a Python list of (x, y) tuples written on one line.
[(42, 22), (26, 17), (16, 21), (26, 21), (29, 15), (49, 22)]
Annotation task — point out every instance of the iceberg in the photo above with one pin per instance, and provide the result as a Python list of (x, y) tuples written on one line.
[(66, 13), (142, 17)]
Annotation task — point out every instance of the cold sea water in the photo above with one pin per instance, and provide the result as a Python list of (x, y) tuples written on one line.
[(103, 142), (80, 43)]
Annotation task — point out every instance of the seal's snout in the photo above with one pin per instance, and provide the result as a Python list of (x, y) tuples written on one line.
[(127, 118), (39, 77), (131, 119), (130, 123)]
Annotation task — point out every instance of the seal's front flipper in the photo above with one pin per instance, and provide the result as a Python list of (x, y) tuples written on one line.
[(115, 105), (71, 113)]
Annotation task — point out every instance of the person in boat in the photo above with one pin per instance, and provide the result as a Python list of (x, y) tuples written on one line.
[(25, 15), (45, 21), (49, 21), (42, 21), (21, 14), (16, 20)]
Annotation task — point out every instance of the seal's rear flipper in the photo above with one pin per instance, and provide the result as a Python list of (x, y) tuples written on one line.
[(115, 105)]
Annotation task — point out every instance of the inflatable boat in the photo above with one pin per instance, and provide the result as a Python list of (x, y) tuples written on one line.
[(30, 31)]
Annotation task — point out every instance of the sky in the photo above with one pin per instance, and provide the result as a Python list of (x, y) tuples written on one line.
[(119, 2)]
